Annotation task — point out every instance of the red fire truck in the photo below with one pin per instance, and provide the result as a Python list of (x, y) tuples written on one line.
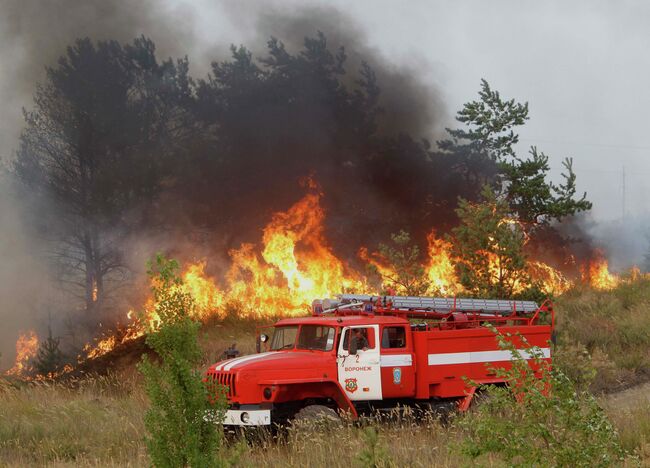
[(360, 353)]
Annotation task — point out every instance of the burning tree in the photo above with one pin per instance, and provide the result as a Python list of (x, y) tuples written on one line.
[(406, 274), (92, 148), (488, 249)]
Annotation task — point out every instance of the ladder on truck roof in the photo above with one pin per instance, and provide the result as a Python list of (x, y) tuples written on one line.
[(426, 307)]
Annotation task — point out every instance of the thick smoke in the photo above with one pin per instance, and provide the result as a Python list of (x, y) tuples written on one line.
[(23, 277), (411, 105), (34, 34)]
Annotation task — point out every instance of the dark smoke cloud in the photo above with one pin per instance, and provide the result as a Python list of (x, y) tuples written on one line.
[(411, 104), (34, 33), (286, 151)]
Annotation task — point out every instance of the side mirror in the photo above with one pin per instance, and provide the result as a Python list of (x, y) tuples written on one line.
[(262, 338)]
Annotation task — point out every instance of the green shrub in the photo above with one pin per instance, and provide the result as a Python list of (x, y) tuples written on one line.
[(540, 419), (373, 454), (179, 434)]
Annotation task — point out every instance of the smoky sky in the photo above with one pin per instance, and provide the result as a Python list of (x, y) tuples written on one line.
[(583, 67), (413, 105), (33, 34)]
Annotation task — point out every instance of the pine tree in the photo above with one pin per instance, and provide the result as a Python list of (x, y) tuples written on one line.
[(49, 358), (521, 181), (405, 274), (488, 246)]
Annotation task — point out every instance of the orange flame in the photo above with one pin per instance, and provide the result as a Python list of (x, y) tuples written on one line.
[(26, 349), (294, 265), (597, 275), (440, 267), (552, 281)]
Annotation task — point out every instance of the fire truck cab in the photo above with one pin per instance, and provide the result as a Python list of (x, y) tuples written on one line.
[(359, 353)]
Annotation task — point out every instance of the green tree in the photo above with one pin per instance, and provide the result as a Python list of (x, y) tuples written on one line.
[(540, 419), (488, 247), (181, 422), (49, 358), (404, 272), (104, 121), (490, 134)]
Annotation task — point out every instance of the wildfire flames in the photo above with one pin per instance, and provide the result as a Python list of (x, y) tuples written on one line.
[(440, 267), (597, 275), (293, 265), (26, 349)]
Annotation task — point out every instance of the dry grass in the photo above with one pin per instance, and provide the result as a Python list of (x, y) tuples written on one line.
[(614, 327), (399, 444), (98, 421), (95, 421)]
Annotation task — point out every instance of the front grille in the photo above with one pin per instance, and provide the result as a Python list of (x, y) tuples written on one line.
[(226, 379)]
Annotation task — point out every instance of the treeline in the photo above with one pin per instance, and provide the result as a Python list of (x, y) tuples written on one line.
[(119, 143)]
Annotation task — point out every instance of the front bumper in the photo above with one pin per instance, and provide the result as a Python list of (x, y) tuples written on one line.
[(247, 417)]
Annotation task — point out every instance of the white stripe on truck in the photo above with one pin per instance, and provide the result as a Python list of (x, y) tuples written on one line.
[(390, 360), (443, 359), (244, 359)]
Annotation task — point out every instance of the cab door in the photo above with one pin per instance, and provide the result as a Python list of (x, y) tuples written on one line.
[(397, 362), (360, 374)]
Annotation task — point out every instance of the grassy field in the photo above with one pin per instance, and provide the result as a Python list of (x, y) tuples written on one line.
[(608, 331), (99, 423), (603, 342)]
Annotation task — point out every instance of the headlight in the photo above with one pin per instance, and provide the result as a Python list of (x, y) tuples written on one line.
[(245, 417), (267, 393), (264, 338)]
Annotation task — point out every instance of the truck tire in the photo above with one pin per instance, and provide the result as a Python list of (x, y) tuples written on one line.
[(318, 414)]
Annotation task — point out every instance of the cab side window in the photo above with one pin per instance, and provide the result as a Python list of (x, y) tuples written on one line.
[(367, 333), (393, 337)]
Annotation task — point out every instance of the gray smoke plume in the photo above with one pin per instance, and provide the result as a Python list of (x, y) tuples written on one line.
[(23, 276), (412, 105), (33, 34)]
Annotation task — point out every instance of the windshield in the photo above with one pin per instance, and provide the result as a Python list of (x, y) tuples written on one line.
[(312, 337), (316, 337), (284, 337)]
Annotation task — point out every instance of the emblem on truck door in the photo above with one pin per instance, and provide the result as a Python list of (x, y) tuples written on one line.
[(397, 375), (351, 385)]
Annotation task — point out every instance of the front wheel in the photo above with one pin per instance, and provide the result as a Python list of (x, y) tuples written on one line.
[(317, 414)]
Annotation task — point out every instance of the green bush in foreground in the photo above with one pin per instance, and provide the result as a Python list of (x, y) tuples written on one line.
[(539, 421), (178, 432)]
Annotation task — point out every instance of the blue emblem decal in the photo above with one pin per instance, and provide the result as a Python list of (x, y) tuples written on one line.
[(397, 375)]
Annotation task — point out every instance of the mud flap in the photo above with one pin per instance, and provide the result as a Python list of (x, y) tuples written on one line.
[(464, 403)]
